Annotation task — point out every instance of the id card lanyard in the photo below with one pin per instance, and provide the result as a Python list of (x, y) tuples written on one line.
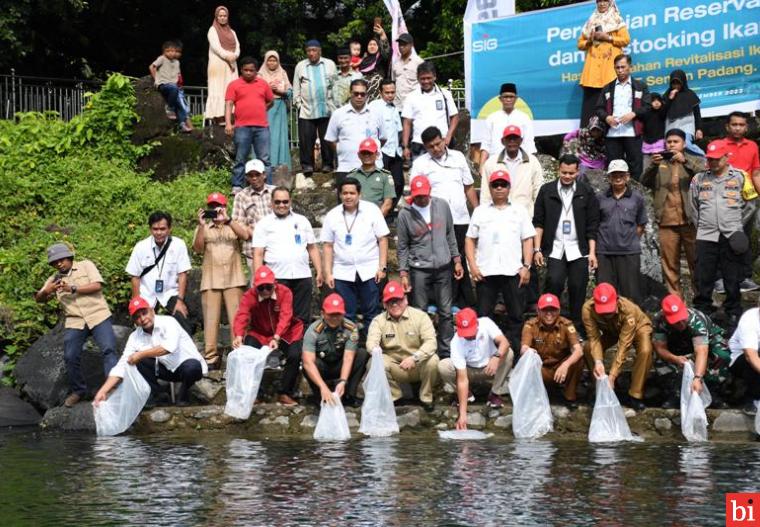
[(567, 205), (159, 285), (349, 236)]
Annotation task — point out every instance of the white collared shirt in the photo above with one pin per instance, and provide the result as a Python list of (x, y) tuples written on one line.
[(391, 126), (500, 233), (747, 334), (566, 244), (348, 127), (166, 333), (427, 109), (477, 352), (284, 241), (448, 177), (174, 262), (498, 121), (622, 104), (362, 254)]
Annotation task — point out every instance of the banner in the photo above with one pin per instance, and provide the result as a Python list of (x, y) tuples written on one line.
[(398, 25), (715, 42)]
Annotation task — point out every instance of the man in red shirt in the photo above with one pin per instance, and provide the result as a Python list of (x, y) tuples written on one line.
[(265, 318), (248, 97)]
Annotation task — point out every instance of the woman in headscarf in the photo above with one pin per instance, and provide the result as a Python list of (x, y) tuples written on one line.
[(279, 144), (374, 65), (588, 144), (603, 38), (223, 52), (681, 107)]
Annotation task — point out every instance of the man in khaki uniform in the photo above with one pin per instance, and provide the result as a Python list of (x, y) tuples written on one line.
[(407, 338), (609, 320), (556, 341)]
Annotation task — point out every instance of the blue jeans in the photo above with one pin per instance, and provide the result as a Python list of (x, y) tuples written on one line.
[(174, 98), (362, 295), (73, 343), (246, 137)]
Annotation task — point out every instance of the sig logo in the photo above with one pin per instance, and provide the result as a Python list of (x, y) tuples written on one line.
[(484, 44), (742, 509)]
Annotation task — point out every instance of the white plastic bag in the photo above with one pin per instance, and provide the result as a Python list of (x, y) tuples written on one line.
[(332, 424), (693, 416), (117, 413), (245, 367), (461, 435), (531, 413), (378, 413), (608, 421)]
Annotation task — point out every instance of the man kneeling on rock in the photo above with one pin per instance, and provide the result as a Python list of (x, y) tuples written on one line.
[(160, 349), (407, 338), (479, 350), (331, 354)]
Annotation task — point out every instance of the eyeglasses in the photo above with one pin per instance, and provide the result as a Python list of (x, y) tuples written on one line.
[(500, 184), (359, 93), (281, 201), (265, 287), (395, 301)]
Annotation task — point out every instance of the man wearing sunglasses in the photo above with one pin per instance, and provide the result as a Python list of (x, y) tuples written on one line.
[(265, 318)]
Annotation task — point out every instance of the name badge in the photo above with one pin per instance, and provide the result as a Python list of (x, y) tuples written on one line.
[(566, 225), (495, 238), (349, 239), (159, 288), (439, 105), (298, 239)]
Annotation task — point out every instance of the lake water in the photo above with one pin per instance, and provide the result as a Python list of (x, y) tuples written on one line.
[(215, 479)]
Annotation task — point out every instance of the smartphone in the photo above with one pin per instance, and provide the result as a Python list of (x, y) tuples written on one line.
[(210, 214), (378, 21), (667, 155), (58, 277)]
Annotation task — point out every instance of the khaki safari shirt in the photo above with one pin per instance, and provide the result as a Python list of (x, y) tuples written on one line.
[(553, 344), (82, 309), (222, 265), (412, 335)]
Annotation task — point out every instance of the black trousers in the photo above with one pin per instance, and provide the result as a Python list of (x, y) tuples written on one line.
[(436, 285), (748, 258), (628, 148), (188, 373), (395, 165), (301, 289), (308, 130), (182, 319), (576, 275), (743, 369), (330, 373), (622, 271), (464, 296), (711, 257), (292, 354), (508, 286), (590, 99)]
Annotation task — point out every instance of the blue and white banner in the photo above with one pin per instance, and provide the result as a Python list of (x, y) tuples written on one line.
[(717, 44)]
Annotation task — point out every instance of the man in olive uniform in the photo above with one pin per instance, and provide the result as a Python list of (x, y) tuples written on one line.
[(330, 353), (377, 183), (556, 341)]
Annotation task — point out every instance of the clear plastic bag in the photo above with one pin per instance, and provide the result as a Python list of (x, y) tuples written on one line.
[(332, 424), (245, 367), (117, 413), (531, 413), (693, 416), (462, 435), (608, 421), (378, 412)]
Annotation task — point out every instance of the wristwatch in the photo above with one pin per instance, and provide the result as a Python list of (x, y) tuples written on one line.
[(536, 250), (527, 266), (74, 289)]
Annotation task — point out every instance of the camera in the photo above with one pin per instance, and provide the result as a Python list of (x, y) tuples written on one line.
[(57, 278), (667, 155), (210, 214)]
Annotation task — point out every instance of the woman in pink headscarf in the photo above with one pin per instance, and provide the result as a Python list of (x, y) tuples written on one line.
[(223, 51)]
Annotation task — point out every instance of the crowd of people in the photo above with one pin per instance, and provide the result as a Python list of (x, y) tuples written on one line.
[(468, 259)]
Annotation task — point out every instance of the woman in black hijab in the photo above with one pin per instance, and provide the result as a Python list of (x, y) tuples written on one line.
[(681, 107)]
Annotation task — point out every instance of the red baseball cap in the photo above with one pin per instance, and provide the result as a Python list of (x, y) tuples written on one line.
[(368, 145), (217, 197), (467, 323), (334, 305), (716, 149), (393, 290), (548, 301), (605, 298), (502, 175), (136, 304), (511, 130), (674, 309), (419, 186), (263, 276)]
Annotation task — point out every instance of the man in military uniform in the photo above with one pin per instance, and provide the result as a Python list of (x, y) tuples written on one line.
[(556, 341), (610, 320), (377, 183), (331, 354), (680, 333)]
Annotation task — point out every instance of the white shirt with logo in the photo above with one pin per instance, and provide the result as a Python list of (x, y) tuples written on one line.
[(448, 177), (500, 233), (284, 241), (477, 352), (175, 261)]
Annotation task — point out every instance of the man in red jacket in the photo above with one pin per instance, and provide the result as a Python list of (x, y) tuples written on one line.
[(265, 318)]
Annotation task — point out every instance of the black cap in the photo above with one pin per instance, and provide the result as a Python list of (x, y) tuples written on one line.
[(342, 51), (508, 87), (406, 38)]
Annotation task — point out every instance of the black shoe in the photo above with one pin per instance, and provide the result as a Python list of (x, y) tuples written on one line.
[(750, 408), (671, 403), (182, 403), (636, 404), (428, 407), (570, 405)]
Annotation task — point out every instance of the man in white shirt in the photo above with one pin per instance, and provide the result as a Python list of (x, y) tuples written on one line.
[(499, 120), (745, 362), (479, 351), (393, 161), (158, 266), (451, 180), (355, 238), (351, 124), (499, 250), (427, 106), (284, 241), (160, 349), (405, 69)]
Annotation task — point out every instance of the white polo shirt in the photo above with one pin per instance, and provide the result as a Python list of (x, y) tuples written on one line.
[(349, 127), (477, 352), (284, 241), (168, 334), (747, 334), (498, 121), (361, 254), (429, 109), (447, 177), (500, 233), (174, 262)]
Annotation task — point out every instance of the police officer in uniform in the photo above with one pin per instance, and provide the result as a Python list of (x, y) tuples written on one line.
[(331, 355), (377, 183)]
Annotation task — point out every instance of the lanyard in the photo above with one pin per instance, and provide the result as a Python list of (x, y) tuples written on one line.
[(566, 207), (348, 228), (163, 260)]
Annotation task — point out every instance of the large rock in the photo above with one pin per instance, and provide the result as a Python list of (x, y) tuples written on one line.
[(41, 372), (78, 418), (14, 411)]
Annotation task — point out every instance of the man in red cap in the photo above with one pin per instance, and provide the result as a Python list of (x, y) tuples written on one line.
[(160, 349), (407, 339), (331, 355), (681, 334), (479, 351), (222, 278), (377, 183), (611, 320), (265, 318), (428, 257), (556, 341)]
